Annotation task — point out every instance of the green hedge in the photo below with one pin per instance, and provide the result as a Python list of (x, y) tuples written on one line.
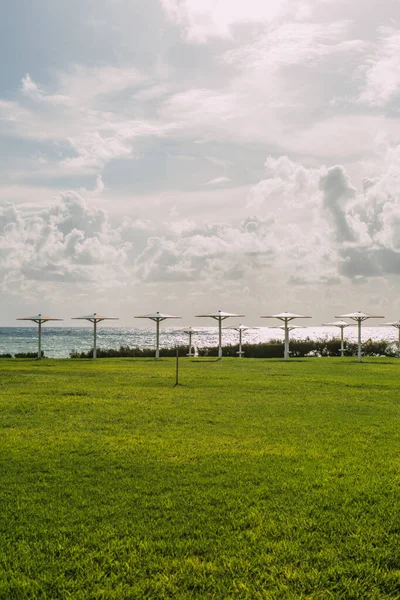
[(271, 349), (306, 347), (28, 355), (127, 352)]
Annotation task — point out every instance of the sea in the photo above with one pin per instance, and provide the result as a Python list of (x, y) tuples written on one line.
[(58, 342)]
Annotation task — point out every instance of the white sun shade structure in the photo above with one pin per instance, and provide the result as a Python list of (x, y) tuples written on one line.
[(286, 317), (341, 325), (397, 325), (289, 328), (95, 318), (359, 317), (190, 331), (39, 319), (240, 329), (157, 317), (220, 316)]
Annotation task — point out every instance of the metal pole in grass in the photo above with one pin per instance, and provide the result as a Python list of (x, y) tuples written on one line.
[(397, 325), (220, 316), (40, 339), (190, 333), (286, 317), (39, 319), (158, 338), (359, 317), (177, 367), (95, 318), (240, 343), (157, 317), (341, 325)]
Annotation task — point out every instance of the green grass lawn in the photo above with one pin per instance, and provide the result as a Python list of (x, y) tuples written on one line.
[(252, 479)]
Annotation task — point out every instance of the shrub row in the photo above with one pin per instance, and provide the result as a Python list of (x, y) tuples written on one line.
[(22, 355), (127, 352), (306, 347), (271, 349)]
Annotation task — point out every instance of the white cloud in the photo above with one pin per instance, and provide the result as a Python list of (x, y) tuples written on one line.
[(81, 116), (295, 44), (382, 71), (87, 86), (310, 229), (29, 87), (314, 84), (280, 93), (70, 241), (204, 19), (218, 180)]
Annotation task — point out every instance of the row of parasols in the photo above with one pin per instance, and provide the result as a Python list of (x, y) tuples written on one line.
[(285, 317)]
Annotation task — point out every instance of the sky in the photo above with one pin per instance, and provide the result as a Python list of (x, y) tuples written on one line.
[(189, 156)]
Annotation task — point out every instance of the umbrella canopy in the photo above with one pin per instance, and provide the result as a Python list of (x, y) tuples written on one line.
[(359, 317), (241, 328), (220, 316), (286, 315), (393, 324), (289, 327), (157, 317), (39, 319), (95, 318), (187, 330)]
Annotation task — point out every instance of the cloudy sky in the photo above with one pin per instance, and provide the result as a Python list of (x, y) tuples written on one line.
[(194, 155)]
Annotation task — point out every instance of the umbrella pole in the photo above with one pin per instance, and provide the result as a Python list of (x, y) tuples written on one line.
[(286, 351), (94, 339), (359, 341), (341, 341), (190, 343), (240, 343), (157, 339), (219, 338), (40, 340), (177, 368)]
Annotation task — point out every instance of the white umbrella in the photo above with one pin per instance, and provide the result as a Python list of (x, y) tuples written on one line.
[(397, 325), (240, 329), (220, 316), (39, 319), (157, 317), (341, 325), (288, 328), (95, 318), (359, 317), (286, 317), (190, 331)]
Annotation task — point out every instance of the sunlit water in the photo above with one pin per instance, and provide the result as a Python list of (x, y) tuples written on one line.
[(57, 342)]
